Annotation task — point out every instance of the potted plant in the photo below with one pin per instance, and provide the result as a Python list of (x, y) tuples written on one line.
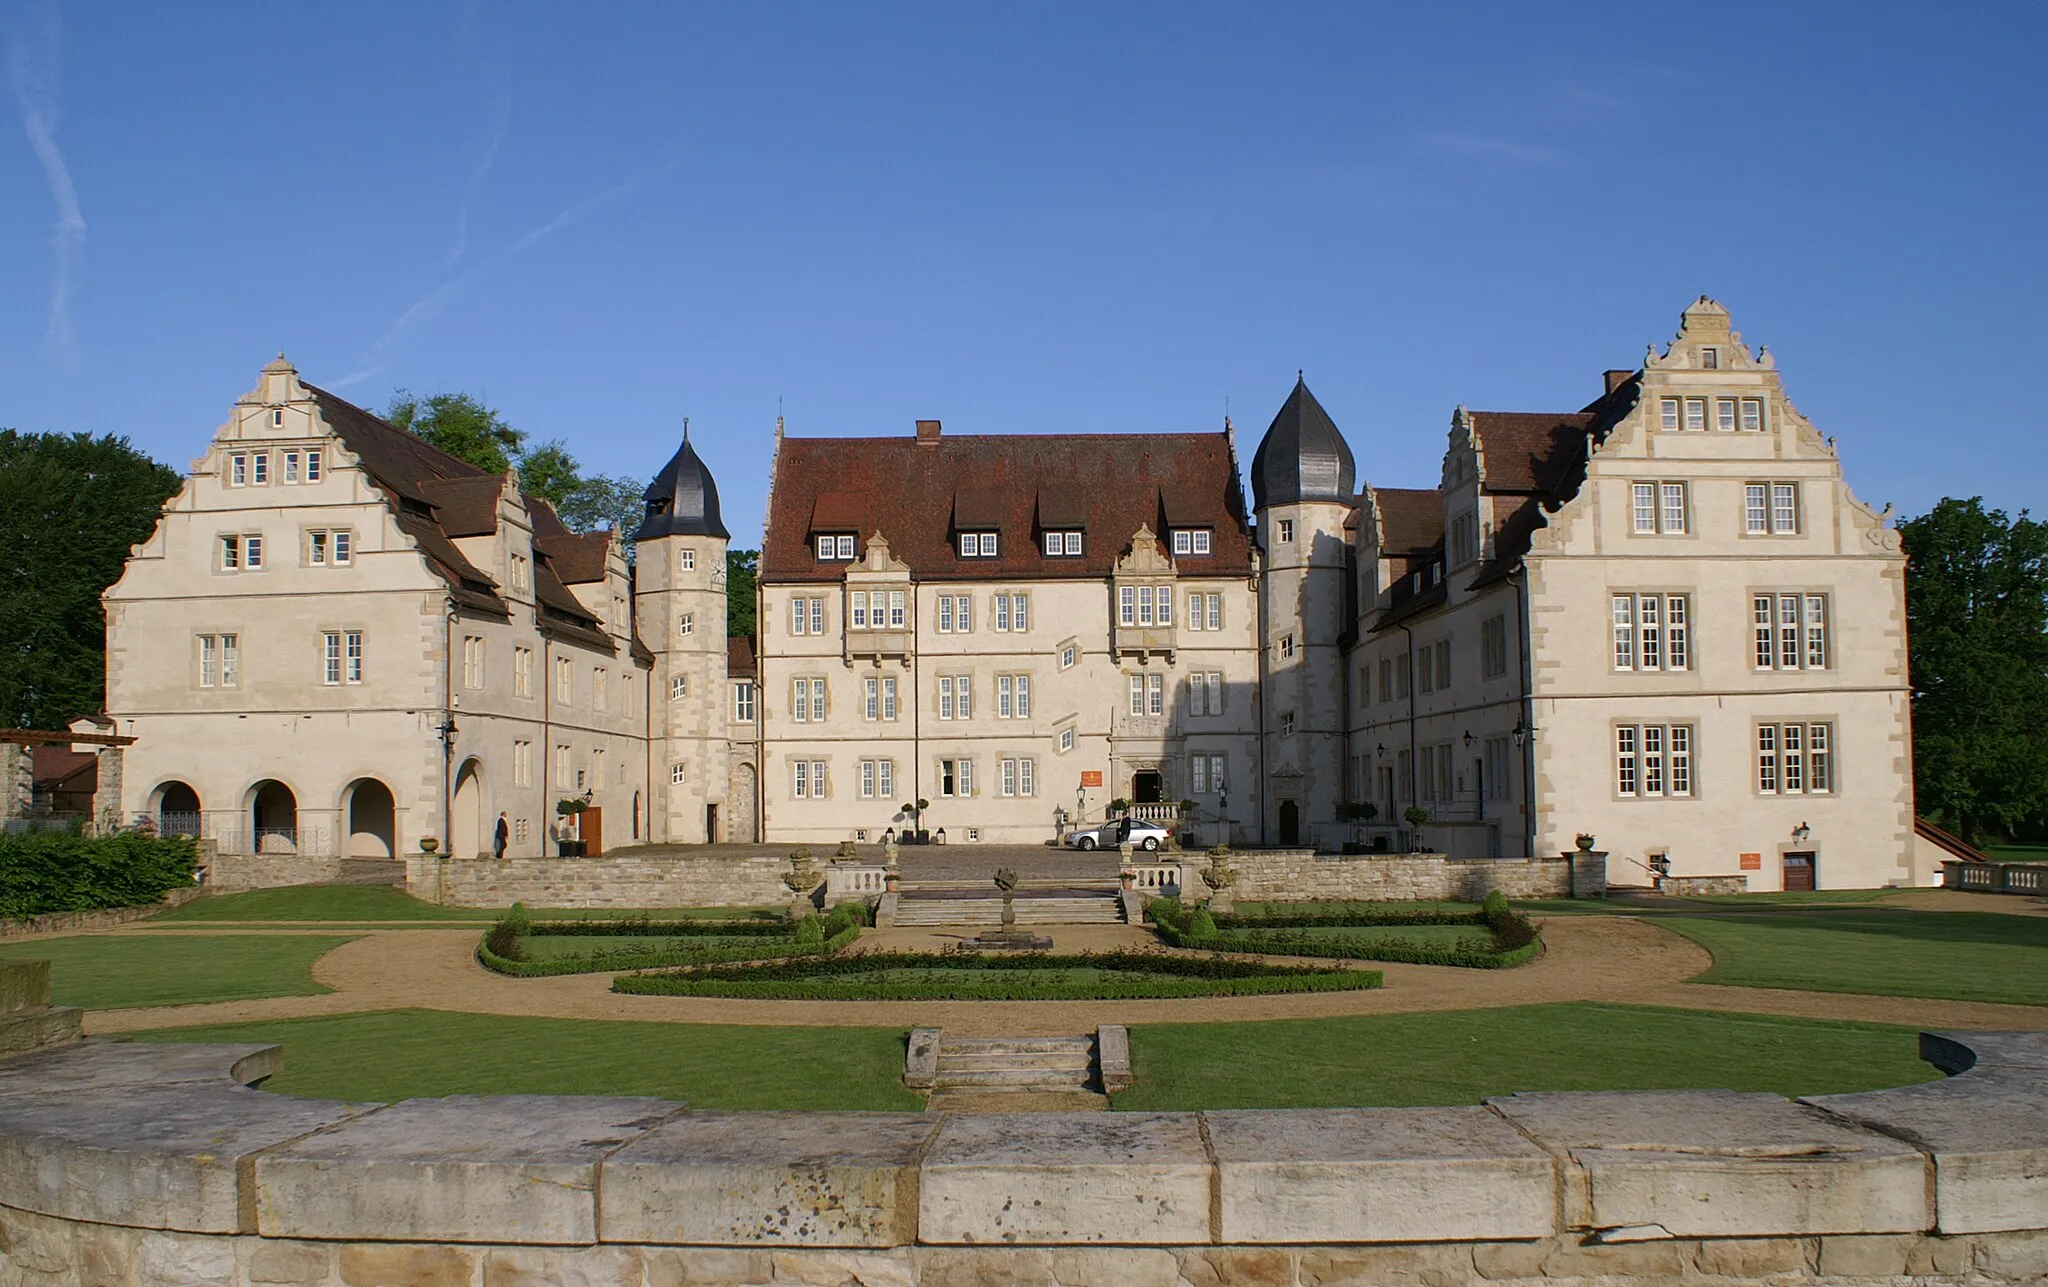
[(572, 809), (1119, 806), (1417, 818), (924, 836), (1584, 840)]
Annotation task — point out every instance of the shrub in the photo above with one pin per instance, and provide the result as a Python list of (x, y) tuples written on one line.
[(810, 935), (1201, 924), (63, 871), (1496, 904), (502, 941), (518, 918), (1164, 909)]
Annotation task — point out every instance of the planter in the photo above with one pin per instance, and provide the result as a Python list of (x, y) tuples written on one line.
[(1129, 877), (571, 848)]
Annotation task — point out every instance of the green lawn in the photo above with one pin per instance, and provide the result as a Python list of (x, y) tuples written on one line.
[(113, 972), (1349, 908), (1459, 1057), (2017, 851), (1955, 956), (1444, 935), (400, 1054), (1795, 898), (553, 947), (357, 904)]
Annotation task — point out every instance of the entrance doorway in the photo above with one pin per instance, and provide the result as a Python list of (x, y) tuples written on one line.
[(710, 824), (1290, 823), (1799, 871), (372, 821), (274, 818), (1147, 787), (466, 813), (177, 810)]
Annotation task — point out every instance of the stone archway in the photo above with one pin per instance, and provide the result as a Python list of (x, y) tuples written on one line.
[(372, 821), (739, 817), (466, 813), (273, 818), (178, 811)]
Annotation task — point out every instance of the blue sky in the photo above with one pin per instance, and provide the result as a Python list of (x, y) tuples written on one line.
[(1028, 217)]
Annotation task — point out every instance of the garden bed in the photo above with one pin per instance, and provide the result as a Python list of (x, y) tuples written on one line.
[(912, 976), (526, 948), (1489, 938)]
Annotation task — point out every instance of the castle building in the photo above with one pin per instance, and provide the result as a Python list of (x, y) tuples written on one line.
[(1661, 621)]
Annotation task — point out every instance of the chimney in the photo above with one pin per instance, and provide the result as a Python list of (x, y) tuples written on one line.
[(1615, 379), (927, 431)]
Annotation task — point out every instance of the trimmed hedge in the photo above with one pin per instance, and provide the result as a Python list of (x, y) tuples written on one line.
[(1511, 939), (63, 871), (501, 949), (995, 978)]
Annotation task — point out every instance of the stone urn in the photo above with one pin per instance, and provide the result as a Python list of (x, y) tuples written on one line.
[(1006, 880), (1123, 851), (1219, 879), (802, 879), (428, 844), (1585, 841)]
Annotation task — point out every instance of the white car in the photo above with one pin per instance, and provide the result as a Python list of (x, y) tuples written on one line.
[(1142, 835)]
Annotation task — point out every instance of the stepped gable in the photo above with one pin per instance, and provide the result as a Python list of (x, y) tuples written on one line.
[(1303, 457), (683, 499), (920, 492)]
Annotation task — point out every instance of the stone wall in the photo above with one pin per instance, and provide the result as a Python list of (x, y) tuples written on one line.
[(226, 873), (611, 881), (1301, 875), (149, 1164), (106, 918), (1698, 886)]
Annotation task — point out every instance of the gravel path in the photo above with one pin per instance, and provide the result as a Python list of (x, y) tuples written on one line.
[(1616, 959)]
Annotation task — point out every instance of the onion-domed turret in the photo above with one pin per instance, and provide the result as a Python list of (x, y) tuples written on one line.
[(1302, 457), (683, 499)]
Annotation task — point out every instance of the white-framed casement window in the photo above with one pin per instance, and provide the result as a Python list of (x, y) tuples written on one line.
[(743, 701), (1668, 419), (1020, 776), (1652, 760), (329, 547), (1012, 613), (1286, 646), (807, 700), (472, 661), (1724, 415), (241, 552), (1013, 696), (341, 656), (1192, 540), (1286, 529), (522, 763), (565, 681), (1205, 611), (259, 468), (686, 623), (1710, 359), (1770, 509), (956, 697), (879, 697), (1069, 654), (808, 780), (686, 560), (877, 779), (836, 548), (238, 469), (1287, 723), (878, 609), (291, 467), (956, 778), (1493, 647), (678, 773), (977, 545), (1795, 759), (807, 615), (678, 687), (1790, 631), (522, 573), (1652, 632), (600, 687), (1752, 415), (522, 672), (1148, 694), (1464, 539), (313, 465), (1205, 692), (1695, 415), (1205, 774), (956, 614), (1062, 545), (1065, 741), (1144, 605), (1659, 508), (220, 661)]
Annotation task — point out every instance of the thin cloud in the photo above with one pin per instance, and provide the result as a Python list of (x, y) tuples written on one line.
[(1496, 151), (432, 304), (477, 176), (33, 74)]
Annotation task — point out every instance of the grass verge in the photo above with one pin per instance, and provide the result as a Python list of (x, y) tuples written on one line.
[(1460, 1057), (121, 971), (1950, 956), (402, 1054)]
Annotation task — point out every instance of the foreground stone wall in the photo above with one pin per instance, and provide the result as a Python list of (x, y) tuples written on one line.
[(150, 1164), (1297, 875), (226, 873), (624, 881)]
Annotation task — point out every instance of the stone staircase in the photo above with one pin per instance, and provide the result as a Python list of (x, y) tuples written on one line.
[(1011, 1074), (935, 904)]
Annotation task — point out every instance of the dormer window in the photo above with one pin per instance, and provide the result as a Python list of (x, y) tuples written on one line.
[(1191, 540), (979, 545), (1060, 545), (1710, 359), (835, 549)]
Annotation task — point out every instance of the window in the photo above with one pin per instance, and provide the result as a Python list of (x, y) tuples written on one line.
[(219, 661), (1652, 760), (1752, 415), (1770, 509), (1287, 723), (1191, 540), (291, 465), (1659, 507), (521, 580), (806, 616), (1205, 774), (597, 758), (835, 548), (1019, 776), (1148, 694), (1286, 646), (1013, 696), (877, 779), (977, 545), (313, 465), (1443, 663), (1062, 544), (1386, 679), (1493, 647), (678, 773), (522, 763), (686, 624), (259, 468), (600, 687), (807, 701), (277, 417), (565, 681), (1724, 414), (1795, 759), (956, 777), (956, 614), (472, 661), (1652, 632), (1464, 540), (1066, 741), (1068, 656), (1012, 612), (1500, 783), (1205, 693), (1286, 529), (230, 553), (1695, 415), (522, 672), (1669, 421), (879, 692), (329, 547), (1205, 611), (1710, 359), (807, 780), (743, 701), (342, 656), (238, 470), (1790, 631)]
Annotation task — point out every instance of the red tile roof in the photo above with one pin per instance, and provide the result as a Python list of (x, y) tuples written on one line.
[(739, 657), (1411, 519), (1530, 451), (1108, 485), (577, 557)]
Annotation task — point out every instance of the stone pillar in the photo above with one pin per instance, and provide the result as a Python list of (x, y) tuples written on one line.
[(106, 793), (17, 781), (1588, 868)]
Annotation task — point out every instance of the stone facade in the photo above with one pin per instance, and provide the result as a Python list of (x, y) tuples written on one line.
[(1937, 1183), (619, 881), (1290, 875)]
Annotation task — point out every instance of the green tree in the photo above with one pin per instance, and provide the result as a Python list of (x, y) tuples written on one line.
[(600, 503), (742, 568), (1977, 622), (70, 506), (551, 473), (460, 425)]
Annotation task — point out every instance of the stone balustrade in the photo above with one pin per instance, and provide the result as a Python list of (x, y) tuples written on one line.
[(155, 1164), (1996, 877), (855, 882)]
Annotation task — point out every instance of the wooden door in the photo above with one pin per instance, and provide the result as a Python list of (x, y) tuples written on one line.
[(1799, 871), (591, 829)]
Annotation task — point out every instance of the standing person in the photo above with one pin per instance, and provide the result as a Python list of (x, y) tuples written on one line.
[(500, 837)]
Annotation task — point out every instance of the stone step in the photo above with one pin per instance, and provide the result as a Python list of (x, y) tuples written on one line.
[(1048, 1062), (1105, 910), (995, 1099), (1016, 1045), (1011, 1078)]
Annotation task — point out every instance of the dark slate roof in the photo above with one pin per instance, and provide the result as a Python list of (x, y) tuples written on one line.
[(682, 500), (578, 558), (1302, 457), (399, 461), (739, 657), (1107, 485), (465, 506)]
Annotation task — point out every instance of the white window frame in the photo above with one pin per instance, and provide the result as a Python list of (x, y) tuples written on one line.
[(259, 469), (1066, 740), (1650, 631), (1660, 507), (238, 469), (472, 661), (1286, 646), (313, 465), (1791, 630), (686, 623), (1796, 757), (1751, 423), (743, 701), (1068, 656), (1653, 761)]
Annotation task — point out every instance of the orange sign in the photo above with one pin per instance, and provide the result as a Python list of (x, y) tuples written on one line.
[(1091, 777), (1752, 862)]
